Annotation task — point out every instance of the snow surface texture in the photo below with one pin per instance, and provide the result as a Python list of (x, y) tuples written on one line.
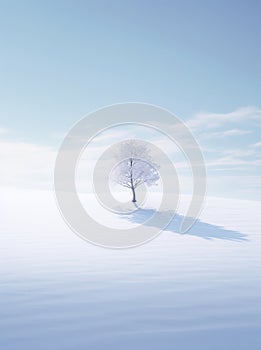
[(200, 290)]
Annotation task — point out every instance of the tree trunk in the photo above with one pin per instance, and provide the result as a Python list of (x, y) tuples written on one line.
[(133, 195)]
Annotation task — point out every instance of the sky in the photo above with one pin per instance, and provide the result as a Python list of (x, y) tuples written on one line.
[(61, 60)]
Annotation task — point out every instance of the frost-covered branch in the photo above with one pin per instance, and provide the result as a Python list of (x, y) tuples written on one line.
[(135, 167)]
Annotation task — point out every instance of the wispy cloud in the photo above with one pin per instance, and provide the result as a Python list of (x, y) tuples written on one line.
[(238, 152), (236, 132), (230, 143), (226, 133), (3, 131), (26, 165), (256, 145), (213, 120), (231, 161)]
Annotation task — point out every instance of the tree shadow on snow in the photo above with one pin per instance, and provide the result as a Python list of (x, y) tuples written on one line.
[(199, 229)]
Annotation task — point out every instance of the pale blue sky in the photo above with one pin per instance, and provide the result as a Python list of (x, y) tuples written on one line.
[(63, 59)]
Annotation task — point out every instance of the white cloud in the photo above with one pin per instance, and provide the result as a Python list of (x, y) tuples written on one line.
[(239, 152), (166, 145), (235, 152), (31, 166), (3, 131), (236, 132), (213, 120), (256, 145), (114, 134), (231, 161), (26, 165), (225, 133)]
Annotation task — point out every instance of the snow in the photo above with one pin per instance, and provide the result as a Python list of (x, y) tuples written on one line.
[(198, 290)]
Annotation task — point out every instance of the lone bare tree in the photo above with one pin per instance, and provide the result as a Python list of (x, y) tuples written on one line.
[(135, 167)]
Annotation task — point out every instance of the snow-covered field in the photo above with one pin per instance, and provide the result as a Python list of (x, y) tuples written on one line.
[(200, 290)]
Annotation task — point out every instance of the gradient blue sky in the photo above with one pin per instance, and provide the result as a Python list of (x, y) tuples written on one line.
[(63, 59)]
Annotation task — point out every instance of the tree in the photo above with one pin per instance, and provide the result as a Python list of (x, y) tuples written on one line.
[(135, 167)]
